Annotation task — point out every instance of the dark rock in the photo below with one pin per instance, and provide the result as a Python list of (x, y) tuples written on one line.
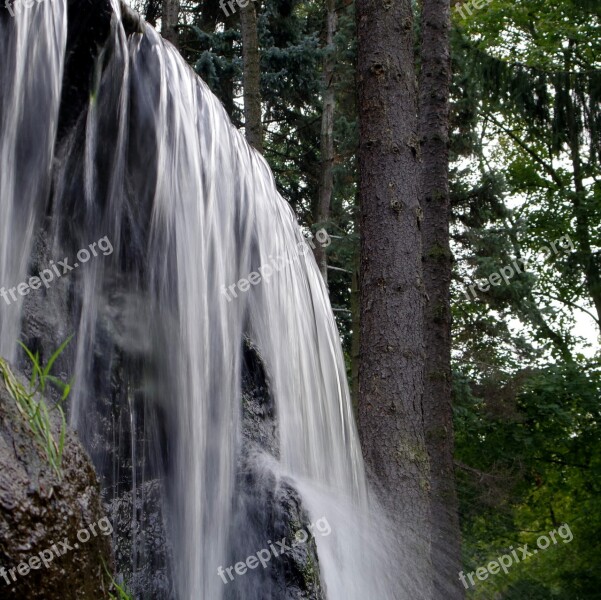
[(141, 546), (39, 513), (269, 509)]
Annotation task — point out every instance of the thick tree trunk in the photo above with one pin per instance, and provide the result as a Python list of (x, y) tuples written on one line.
[(251, 77), (356, 341), (326, 180), (435, 77), (169, 21), (392, 289)]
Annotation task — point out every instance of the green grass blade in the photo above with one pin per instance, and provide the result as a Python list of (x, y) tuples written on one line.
[(56, 354), (35, 362)]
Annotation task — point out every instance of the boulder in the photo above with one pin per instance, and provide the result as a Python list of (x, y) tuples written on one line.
[(54, 536)]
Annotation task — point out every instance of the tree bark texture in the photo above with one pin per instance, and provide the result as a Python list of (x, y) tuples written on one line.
[(434, 84), (251, 77), (169, 21), (391, 381)]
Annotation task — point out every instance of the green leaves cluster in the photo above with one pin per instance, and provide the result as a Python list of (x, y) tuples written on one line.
[(526, 172), (525, 150)]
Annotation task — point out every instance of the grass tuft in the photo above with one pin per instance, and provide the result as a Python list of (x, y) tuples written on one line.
[(35, 411), (122, 593)]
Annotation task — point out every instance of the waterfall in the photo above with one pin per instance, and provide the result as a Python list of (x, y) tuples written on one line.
[(180, 210), (32, 48)]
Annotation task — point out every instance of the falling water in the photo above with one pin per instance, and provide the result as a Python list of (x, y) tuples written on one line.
[(32, 48), (155, 168)]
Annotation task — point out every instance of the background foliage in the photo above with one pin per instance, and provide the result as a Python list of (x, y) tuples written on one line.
[(526, 122)]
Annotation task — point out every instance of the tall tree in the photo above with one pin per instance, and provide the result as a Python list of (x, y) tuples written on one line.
[(434, 91), (326, 180), (251, 76), (170, 21), (391, 371)]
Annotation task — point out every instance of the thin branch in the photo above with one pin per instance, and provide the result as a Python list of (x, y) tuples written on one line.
[(574, 305), (339, 269), (547, 167)]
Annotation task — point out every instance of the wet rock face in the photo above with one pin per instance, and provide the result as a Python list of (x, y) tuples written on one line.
[(142, 549), (272, 525), (269, 514), (268, 510), (54, 535)]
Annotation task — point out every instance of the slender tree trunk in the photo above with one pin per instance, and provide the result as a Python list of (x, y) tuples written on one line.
[(586, 254), (391, 373), (169, 21), (435, 77), (251, 76), (326, 181)]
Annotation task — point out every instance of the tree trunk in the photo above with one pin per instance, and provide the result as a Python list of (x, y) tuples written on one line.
[(251, 77), (326, 181), (356, 341), (392, 289), (434, 81), (169, 21), (587, 256)]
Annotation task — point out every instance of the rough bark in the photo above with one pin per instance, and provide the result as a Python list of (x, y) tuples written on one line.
[(251, 77), (434, 83), (326, 179), (392, 290), (169, 21), (356, 341)]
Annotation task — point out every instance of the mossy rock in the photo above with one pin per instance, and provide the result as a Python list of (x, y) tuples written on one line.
[(41, 512)]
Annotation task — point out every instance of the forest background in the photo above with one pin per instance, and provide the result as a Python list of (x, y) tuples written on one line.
[(525, 124)]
